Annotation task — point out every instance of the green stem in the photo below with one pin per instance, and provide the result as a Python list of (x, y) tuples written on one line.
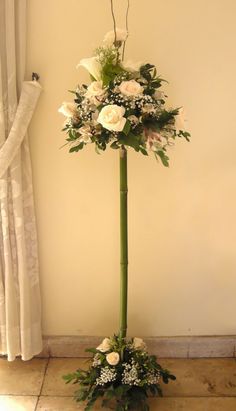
[(123, 243)]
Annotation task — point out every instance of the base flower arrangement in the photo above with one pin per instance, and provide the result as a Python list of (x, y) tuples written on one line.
[(122, 374), (122, 107)]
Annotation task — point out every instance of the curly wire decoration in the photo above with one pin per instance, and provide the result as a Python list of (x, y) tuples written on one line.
[(126, 24), (127, 28), (114, 19)]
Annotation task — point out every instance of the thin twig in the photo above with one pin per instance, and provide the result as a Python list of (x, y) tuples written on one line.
[(127, 29), (114, 20)]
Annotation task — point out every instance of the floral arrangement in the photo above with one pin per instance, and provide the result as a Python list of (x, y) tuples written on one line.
[(121, 373), (123, 105)]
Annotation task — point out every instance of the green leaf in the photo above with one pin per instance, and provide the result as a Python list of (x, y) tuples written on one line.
[(164, 158), (109, 72), (121, 390), (172, 377), (131, 140), (152, 123), (184, 134), (156, 83), (127, 127), (114, 145), (166, 116), (69, 378), (76, 148), (73, 136), (97, 149), (143, 151)]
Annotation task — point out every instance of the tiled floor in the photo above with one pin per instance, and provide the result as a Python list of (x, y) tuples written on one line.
[(201, 385)]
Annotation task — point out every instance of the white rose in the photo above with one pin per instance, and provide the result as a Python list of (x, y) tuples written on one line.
[(68, 109), (112, 118), (121, 35), (139, 344), (132, 66), (133, 119), (95, 92), (92, 65), (159, 95), (148, 108), (130, 88), (113, 358), (105, 345), (180, 120), (95, 89)]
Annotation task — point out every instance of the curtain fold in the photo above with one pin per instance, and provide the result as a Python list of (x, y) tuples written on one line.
[(20, 307)]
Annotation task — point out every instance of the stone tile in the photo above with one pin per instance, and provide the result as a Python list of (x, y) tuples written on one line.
[(193, 404), (53, 382), (17, 403), (201, 377), (21, 377), (48, 403), (195, 377), (58, 404)]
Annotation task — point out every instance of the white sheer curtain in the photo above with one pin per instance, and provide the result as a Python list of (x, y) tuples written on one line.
[(20, 311)]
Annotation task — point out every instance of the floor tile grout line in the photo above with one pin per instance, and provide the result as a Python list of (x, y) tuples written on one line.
[(164, 396), (41, 388)]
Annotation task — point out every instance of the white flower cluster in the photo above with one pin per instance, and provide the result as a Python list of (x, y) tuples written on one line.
[(153, 377), (107, 375), (130, 374), (105, 53), (140, 101)]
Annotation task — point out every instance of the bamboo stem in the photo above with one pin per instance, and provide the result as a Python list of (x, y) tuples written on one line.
[(123, 243)]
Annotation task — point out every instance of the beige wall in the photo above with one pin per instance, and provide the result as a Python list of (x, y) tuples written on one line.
[(182, 227)]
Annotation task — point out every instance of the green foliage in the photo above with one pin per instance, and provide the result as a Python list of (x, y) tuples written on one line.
[(149, 73), (109, 72), (110, 64), (164, 158), (127, 128), (167, 116), (184, 134), (75, 149), (130, 140)]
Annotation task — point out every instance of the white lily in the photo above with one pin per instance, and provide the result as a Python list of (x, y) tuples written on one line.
[(93, 66)]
